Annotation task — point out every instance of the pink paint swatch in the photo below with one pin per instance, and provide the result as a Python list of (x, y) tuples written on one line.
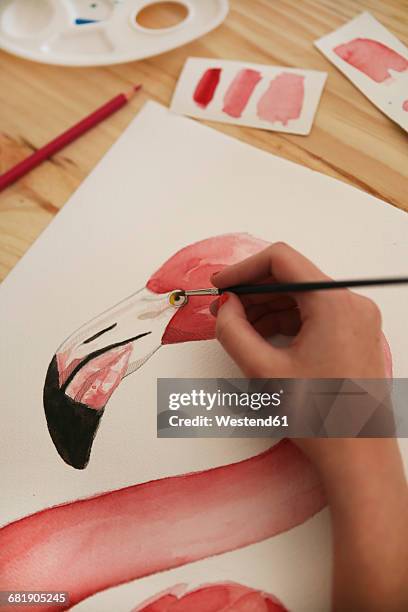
[(222, 597), (372, 58), (92, 544), (206, 87), (405, 105), (239, 91), (283, 100)]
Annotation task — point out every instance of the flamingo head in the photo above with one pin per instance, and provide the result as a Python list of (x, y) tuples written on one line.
[(92, 362)]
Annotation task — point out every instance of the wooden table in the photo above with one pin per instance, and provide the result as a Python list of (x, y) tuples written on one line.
[(350, 140)]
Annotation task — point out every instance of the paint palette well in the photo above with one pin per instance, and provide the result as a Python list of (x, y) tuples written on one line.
[(269, 97), (99, 32)]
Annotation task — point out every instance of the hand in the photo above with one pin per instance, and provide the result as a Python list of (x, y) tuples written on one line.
[(335, 334)]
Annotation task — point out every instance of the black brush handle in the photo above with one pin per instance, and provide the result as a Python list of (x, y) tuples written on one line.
[(312, 286)]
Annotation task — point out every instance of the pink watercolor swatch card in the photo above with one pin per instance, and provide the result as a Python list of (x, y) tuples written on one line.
[(374, 60), (267, 97)]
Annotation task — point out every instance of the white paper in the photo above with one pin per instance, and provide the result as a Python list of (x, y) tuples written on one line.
[(389, 95), (168, 182), (288, 116)]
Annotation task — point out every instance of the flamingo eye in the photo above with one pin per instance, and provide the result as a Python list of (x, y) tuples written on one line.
[(178, 298)]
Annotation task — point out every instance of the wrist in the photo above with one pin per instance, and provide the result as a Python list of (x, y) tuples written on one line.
[(356, 467)]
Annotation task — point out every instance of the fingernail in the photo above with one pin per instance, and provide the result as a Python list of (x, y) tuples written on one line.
[(216, 305), (224, 297), (214, 308)]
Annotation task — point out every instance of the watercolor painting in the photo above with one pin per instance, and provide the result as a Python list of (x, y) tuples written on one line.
[(88, 367), (267, 97), (221, 597), (208, 513), (214, 511), (207, 510), (371, 57), (374, 60)]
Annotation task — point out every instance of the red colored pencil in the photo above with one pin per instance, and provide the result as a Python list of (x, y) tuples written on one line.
[(66, 138)]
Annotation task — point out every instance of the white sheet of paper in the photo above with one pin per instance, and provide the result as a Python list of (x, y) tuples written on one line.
[(168, 182), (291, 108), (389, 95)]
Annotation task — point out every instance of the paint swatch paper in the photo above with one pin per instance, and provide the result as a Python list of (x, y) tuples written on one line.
[(267, 97), (166, 185), (374, 60)]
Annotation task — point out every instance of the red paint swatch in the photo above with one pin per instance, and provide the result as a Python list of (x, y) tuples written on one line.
[(206, 87), (222, 597), (92, 544), (372, 58), (240, 90), (283, 100)]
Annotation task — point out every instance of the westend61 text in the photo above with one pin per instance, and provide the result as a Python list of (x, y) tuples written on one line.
[(228, 421)]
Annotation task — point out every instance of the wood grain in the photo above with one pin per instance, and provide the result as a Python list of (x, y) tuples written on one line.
[(350, 140)]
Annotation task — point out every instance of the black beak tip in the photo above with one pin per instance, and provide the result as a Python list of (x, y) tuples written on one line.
[(72, 425)]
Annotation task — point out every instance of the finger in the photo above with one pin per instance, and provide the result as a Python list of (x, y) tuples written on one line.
[(256, 311), (287, 323), (273, 301), (284, 264), (248, 349)]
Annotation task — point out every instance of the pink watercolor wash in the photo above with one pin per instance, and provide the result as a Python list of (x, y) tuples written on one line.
[(220, 597), (405, 105), (92, 544), (283, 100), (89, 366), (371, 57), (89, 545), (192, 267), (98, 379), (239, 92), (93, 361)]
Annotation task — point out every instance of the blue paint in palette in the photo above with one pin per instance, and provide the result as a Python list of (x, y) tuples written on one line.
[(88, 12), (80, 21)]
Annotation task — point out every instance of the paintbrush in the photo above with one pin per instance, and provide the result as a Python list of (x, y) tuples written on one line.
[(180, 296)]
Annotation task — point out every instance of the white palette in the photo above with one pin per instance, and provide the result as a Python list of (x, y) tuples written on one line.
[(86, 33)]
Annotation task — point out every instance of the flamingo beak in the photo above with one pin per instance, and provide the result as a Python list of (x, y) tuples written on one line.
[(91, 363)]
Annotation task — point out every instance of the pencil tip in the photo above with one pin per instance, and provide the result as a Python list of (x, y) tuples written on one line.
[(129, 94)]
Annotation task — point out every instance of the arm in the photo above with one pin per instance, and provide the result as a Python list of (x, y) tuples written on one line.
[(335, 334)]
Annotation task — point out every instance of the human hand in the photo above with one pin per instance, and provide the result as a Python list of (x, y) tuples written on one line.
[(335, 334)]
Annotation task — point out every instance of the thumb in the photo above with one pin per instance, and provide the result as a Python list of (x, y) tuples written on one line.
[(250, 351)]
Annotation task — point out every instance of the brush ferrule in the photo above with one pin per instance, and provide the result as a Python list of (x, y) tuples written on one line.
[(209, 291)]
